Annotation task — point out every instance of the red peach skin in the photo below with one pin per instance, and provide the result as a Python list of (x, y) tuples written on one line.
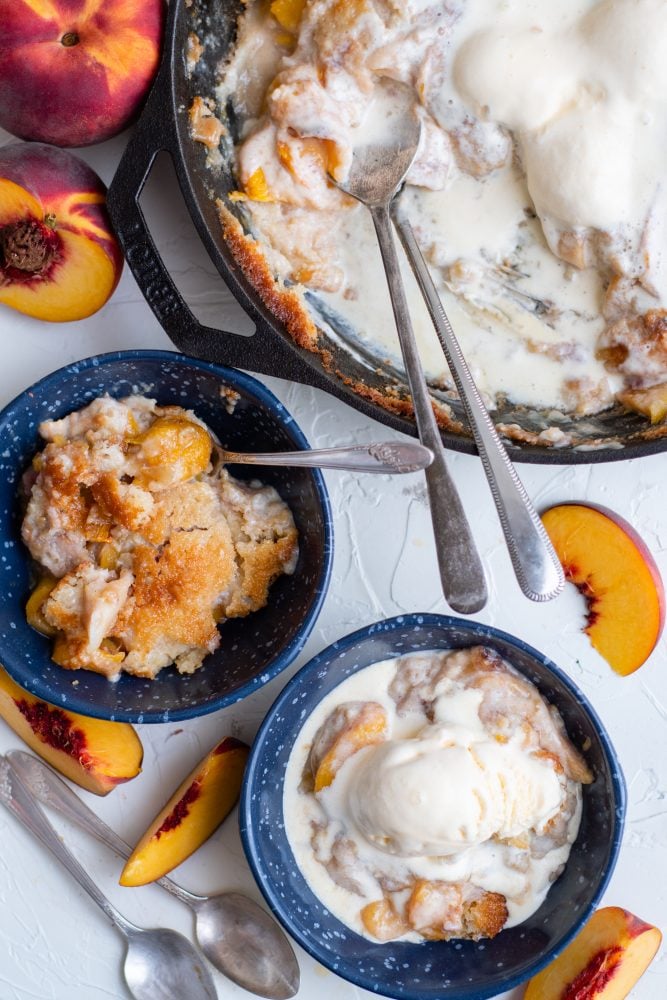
[(59, 258), (75, 72), (95, 754), (611, 565)]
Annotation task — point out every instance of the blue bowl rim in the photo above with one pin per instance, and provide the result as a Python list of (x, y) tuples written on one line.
[(267, 398), (248, 835)]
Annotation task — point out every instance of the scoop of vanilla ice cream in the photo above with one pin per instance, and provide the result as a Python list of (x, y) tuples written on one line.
[(448, 789)]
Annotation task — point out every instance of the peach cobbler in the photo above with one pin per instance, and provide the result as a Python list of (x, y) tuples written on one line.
[(145, 543), (433, 796), (537, 193)]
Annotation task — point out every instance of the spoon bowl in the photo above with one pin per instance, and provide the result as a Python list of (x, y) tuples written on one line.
[(235, 933)]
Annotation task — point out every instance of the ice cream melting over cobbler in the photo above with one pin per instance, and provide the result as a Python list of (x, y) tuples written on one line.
[(144, 541), (537, 193), (433, 796)]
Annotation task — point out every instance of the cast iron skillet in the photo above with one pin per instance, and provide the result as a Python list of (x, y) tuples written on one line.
[(612, 435)]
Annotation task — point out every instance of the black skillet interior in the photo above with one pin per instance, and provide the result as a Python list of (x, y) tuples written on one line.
[(164, 125)]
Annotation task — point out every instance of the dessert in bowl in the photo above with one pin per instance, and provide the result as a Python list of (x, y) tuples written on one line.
[(406, 914), (249, 650)]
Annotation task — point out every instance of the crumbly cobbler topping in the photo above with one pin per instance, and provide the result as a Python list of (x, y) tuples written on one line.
[(145, 542)]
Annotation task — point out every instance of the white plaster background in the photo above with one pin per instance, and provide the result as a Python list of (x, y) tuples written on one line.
[(54, 943)]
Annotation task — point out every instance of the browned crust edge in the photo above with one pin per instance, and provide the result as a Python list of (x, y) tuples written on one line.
[(287, 305)]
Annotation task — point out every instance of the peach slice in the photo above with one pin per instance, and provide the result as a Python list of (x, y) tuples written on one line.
[(192, 814), (349, 728), (59, 259), (610, 564), (604, 961), (95, 754)]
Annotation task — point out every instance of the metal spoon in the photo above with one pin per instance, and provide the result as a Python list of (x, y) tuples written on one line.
[(383, 456), (159, 964), (377, 172), (237, 936), (535, 562)]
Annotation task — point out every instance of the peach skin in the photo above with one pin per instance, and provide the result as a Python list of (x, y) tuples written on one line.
[(603, 962), (95, 754), (59, 258), (192, 814), (75, 72), (612, 567)]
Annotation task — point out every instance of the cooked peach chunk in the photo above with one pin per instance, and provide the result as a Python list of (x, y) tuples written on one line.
[(603, 962), (382, 921), (443, 910), (34, 607), (610, 564), (349, 728), (192, 814), (172, 451)]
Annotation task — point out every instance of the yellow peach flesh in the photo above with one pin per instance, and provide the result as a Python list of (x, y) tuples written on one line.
[(603, 962), (191, 815), (17, 203), (612, 567)]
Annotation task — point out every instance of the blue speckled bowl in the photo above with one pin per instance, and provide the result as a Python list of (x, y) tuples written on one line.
[(253, 649), (457, 970)]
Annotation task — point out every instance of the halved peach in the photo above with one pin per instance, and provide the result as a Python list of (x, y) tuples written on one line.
[(348, 729), (95, 754), (604, 961), (612, 567), (59, 258), (192, 814)]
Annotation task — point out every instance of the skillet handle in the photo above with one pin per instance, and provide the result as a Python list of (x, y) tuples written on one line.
[(144, 260), (265, 352)]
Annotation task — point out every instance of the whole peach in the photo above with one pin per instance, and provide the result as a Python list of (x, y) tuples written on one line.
[(59, 258), (75, 72)]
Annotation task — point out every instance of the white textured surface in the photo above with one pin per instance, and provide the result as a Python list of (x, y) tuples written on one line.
[(54, 943)]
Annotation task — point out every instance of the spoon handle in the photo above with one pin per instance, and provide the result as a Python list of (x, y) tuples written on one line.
[(42, 782), (15, 796), (535, 562), (461, 571), (383, 456)]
